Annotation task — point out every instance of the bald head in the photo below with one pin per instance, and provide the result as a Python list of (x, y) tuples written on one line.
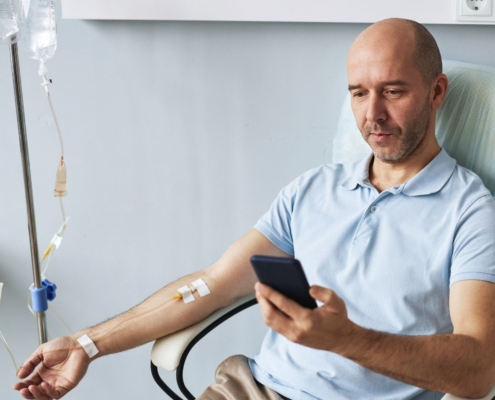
[(403, 36)]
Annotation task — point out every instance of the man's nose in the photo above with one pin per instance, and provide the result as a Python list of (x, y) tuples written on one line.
[(376, 109)]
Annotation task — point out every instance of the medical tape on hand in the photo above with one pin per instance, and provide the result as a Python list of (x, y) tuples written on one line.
[(186, 293), (201, 287), (88, 346)]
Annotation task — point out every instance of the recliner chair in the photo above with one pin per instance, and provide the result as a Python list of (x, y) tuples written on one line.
[(465, 129)]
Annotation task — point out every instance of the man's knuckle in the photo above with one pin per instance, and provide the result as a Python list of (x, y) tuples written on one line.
[(307, 325), (299, 335)]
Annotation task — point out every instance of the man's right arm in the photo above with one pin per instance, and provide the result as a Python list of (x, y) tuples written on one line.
[(62, 363)]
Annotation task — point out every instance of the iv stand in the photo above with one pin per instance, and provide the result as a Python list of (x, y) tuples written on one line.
[(21, 123)]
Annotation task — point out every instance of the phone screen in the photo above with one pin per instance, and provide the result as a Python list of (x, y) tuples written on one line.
[(286, 276)]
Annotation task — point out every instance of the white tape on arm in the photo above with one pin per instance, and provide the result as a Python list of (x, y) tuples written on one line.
[(88, 346), (187, 295), (201, 287)]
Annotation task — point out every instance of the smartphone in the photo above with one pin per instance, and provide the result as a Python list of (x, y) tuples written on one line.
[(286, 276)]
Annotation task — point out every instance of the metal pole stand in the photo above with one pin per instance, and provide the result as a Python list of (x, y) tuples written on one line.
[(21, 123)]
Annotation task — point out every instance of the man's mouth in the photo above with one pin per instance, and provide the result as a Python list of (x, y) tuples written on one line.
[(380, 136)]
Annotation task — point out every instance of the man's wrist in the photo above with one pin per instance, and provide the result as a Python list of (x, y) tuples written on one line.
[(88, 345), (353, 340)]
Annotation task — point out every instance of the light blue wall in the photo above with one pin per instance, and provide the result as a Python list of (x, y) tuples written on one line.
[(178, 136)]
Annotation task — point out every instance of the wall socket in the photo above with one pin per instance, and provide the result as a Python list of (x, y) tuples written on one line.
[(474, 10)]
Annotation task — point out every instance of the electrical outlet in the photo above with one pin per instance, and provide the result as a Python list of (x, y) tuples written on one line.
[(475, 10)]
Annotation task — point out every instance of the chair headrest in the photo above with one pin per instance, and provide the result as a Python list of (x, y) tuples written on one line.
[(466, 121)]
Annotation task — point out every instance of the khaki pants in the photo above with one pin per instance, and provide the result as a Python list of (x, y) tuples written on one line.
[(235, 382)]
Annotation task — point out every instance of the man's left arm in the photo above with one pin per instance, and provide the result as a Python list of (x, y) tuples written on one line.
[(461, 363)]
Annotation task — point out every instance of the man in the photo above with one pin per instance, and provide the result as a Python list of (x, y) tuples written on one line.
[(401, 246)]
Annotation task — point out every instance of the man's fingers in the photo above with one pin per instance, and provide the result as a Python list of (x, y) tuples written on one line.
[(38, 393), (54, 394), (23, 384), (38, 389), (326, 296), (29, 366), (19, 385), (26, 393), (273, 317)]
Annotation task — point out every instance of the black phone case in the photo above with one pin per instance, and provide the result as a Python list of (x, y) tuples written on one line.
[(286, 276)]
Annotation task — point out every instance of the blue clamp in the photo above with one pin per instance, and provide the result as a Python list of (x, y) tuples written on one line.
[(41, 296), (51, 289)]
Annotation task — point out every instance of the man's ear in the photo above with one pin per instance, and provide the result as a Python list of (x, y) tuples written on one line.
[(439, 89)]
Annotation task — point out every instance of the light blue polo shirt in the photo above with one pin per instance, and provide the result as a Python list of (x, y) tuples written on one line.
[(390, 256)]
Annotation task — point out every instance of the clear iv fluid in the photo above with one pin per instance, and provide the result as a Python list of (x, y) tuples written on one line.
[(41, 30), (8, 23)]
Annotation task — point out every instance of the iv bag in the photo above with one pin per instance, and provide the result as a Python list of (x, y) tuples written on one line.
[(41, 30), (8, 22)]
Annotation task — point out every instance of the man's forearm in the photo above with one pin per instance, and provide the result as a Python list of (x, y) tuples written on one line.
[(451, 363), (157, 316), (228, 279)]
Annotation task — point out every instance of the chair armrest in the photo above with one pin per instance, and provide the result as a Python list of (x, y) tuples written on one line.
[(167, 351), (489, 396)]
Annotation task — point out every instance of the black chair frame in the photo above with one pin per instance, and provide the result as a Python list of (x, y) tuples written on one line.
[(180, 369)]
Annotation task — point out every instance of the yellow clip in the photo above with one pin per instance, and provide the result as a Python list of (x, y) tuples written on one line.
[(47, 251), (179, 296)]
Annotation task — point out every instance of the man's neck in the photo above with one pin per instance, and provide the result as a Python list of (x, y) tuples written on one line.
[(386, 175)]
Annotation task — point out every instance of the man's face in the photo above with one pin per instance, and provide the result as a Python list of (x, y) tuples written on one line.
[(389, 99)]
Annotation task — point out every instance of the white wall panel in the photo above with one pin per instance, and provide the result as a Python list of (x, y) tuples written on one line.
[(425, 11)]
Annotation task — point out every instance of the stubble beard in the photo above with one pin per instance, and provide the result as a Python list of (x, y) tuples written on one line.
[(410, 139)]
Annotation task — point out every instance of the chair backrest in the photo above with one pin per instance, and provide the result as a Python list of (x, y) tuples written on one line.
[(465, 124)]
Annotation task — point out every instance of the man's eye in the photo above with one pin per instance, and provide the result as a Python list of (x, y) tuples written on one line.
[(393, 92), (358, 94)]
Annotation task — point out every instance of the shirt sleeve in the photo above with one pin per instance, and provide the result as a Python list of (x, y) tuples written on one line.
[(276, 223), (473, 255)]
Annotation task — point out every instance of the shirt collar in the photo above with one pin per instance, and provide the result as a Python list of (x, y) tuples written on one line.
[(359, 174), (427, 181), (431, 178)]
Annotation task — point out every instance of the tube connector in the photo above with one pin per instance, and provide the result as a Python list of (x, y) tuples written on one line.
[(61, 180), (56, 240), (43, 71)]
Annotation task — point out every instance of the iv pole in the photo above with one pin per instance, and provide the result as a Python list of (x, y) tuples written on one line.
[(21, 123)]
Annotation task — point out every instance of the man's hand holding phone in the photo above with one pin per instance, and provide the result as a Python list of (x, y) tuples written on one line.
[(325, 328)]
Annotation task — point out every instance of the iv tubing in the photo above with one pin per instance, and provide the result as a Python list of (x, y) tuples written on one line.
[(48, 96), (61, 319), (10, 352), (64, 217), (47, 263)]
